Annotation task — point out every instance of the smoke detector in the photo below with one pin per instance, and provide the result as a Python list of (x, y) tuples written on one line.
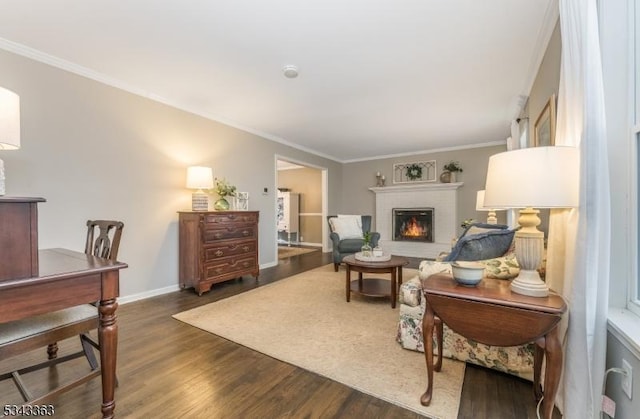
[(290, 71)]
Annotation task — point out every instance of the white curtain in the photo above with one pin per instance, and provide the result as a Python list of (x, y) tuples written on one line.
[(579, 239)]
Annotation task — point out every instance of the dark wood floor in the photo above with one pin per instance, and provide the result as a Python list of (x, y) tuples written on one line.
[(168, 369)]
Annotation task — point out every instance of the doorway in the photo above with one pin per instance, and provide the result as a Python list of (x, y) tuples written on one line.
[(301, 208)]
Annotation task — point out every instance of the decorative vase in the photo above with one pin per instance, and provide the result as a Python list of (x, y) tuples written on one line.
[(452, 177), (366, 250), (221, 205), (445, 177)]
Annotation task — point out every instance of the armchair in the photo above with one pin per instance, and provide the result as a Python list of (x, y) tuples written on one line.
[(347, 235)]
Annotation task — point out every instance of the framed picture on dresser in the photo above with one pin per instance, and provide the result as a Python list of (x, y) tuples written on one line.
[(241, 201)]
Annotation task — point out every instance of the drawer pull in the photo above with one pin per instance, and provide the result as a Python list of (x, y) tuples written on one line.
[(246, 248), (218, 235), (245, 264), (245, 233), (219, 270), (219, 253)]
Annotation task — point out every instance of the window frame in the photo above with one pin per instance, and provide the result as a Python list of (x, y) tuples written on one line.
[(633, 300)]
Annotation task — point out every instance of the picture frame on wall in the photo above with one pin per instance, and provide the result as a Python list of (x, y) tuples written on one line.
[(544, 129), (420, 171)]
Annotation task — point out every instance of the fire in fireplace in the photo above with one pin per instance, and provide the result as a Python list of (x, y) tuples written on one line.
[(413, 224)]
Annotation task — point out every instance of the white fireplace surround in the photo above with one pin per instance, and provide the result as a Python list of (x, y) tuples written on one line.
[(442, 197)]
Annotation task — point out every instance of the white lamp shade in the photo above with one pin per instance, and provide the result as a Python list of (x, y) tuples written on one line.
[(199, 177), (540, 177), (9, 120), (480, 201)]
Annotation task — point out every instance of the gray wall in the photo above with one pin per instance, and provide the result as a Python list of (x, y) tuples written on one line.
[(359, 176), (94, 151)]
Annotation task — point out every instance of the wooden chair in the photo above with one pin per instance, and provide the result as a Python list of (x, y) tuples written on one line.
[(25, 335)]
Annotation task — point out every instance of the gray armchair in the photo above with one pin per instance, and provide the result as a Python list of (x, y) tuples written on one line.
[(347, 246)]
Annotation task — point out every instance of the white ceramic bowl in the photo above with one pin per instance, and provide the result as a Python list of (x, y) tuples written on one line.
[(467, 273)]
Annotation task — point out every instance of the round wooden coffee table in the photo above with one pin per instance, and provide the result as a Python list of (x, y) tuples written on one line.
[(375, 287)]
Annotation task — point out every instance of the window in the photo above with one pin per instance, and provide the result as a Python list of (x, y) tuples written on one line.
[(634, 136)]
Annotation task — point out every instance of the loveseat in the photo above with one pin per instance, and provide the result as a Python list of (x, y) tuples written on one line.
[(517, 360)]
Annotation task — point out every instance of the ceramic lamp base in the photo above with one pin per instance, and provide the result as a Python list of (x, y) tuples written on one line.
[(199, 201), (529, 283)]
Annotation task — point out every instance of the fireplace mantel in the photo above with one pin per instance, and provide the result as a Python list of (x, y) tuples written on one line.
[(416, 188)]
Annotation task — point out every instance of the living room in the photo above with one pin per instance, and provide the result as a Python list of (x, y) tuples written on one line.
[(94, 147)]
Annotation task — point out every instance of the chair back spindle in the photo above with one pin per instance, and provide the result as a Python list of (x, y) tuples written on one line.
[(107, 242)]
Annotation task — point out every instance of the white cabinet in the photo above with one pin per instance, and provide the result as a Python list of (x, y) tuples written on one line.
[(288, 213)]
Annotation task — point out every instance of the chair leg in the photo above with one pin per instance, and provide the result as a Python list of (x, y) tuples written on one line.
[(52, 350), (87, 348), (336, 266)]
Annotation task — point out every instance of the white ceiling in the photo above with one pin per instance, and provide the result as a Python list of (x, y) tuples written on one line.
[(377, 77)]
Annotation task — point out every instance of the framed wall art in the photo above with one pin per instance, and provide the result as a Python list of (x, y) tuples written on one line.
[(544, 130), (420, 171)]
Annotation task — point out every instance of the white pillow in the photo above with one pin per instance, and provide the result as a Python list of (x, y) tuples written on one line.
[(346, 227), (356, 217)]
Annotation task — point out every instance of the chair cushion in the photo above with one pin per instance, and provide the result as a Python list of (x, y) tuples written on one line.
[(350, 245), (31, 326), (346, 227)]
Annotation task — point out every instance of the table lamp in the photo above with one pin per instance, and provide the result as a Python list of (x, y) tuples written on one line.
[(491, 216), (540, 177), (9, 126), (199, 178)]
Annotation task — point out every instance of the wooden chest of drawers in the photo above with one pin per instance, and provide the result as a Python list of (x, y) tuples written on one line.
[(216, 246)]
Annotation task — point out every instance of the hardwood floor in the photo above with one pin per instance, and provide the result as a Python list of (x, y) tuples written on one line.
[(168, 369)]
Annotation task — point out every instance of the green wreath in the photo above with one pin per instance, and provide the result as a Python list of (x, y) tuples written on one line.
[(414, 171)]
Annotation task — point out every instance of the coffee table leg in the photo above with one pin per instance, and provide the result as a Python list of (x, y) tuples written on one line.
[(399, 277), (394, 296), (427, 340), (348, 282)]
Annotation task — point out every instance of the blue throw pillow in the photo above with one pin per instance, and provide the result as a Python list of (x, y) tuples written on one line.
[(489, 245)]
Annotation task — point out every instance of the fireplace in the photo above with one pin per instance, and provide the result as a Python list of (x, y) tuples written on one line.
[(413, 224)]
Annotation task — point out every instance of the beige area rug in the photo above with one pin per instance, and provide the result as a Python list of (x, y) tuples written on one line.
[(306, 321), (286, 252)]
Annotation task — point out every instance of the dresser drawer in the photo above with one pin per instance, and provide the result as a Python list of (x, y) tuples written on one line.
[(226, 267), (218, 251), (214, 234), (230, 218)]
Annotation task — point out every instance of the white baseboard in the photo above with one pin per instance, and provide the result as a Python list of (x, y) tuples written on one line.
[(148, 294)]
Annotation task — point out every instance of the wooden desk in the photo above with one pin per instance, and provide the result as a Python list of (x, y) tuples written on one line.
[(491, 314), (66, 279)]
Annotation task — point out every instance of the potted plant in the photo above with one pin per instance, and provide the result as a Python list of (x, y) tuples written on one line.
[(450, 170), (223, 189), (366, 247)]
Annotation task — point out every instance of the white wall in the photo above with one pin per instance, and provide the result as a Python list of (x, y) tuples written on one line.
[(94, 151)]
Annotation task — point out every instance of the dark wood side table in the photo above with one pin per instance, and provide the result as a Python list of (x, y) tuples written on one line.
[(375, 287), (491, 314)]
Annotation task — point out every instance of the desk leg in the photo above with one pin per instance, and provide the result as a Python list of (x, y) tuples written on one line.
[(108, 338), (348, 282), (427, 339), (552, 371)]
